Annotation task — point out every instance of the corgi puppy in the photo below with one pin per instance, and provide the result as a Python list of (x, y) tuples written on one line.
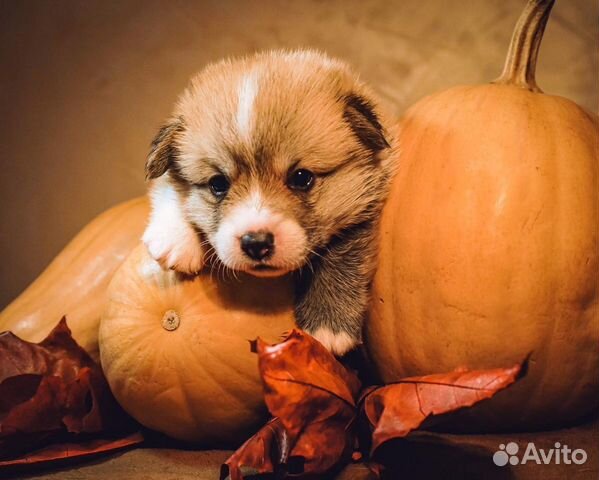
[(276, 163)]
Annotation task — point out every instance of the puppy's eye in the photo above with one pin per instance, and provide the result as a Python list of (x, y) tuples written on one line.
[(301, 179), (219, 185)]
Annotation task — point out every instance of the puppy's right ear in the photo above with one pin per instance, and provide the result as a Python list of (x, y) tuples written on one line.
[(363, 120), (163, 149)]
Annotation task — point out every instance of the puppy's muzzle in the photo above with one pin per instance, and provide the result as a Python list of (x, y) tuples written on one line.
[(258, 245)]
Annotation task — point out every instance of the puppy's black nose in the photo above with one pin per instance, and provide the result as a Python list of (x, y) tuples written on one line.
[(258, 245)]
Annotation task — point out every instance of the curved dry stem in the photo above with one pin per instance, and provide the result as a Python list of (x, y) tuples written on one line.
[(521, 61)]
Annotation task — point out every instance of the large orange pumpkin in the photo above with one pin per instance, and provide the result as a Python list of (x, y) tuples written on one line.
[(489, 246), (176, 350), (75, 283)]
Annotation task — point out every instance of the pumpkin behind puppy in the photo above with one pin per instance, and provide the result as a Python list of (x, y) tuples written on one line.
[(490, 244)]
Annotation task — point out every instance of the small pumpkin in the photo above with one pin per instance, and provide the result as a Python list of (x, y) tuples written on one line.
[(75, 283), (176, 350), (490, 243)]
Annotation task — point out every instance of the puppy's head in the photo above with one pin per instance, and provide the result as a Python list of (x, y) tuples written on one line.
[(272, 156)]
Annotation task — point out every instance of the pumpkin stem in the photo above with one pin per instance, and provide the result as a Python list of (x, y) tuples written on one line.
[(521, 60)]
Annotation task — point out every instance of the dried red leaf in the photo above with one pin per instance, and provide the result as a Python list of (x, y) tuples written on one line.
[(395, 410), (61, 451), (312, 397), (49, 388)]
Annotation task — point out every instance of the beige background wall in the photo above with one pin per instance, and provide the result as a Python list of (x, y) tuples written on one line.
[(85, 84)]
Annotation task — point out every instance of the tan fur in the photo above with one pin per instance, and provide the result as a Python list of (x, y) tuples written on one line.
[(255, 120)]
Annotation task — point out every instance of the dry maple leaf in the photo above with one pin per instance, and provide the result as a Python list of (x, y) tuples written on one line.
[(312, 397), (396, 409), (49, 388)]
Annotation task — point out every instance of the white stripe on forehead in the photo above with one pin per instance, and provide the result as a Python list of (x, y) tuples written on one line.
[(248, 89)]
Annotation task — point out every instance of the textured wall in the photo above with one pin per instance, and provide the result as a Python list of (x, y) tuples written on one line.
[(85, 84)]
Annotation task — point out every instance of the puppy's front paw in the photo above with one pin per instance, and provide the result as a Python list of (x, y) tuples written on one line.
[(337, 343), (175, 247)]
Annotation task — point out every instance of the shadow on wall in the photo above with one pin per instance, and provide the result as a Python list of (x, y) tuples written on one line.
[(84, 85)]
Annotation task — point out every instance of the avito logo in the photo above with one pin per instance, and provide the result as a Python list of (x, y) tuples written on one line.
[(559, 454)]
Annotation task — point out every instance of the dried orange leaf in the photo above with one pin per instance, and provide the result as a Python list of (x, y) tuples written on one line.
[(61, 451), (395, 410)]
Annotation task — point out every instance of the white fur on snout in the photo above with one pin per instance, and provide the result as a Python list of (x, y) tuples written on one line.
[(335, 342), (246, 96), (170, 239), (253, 216)]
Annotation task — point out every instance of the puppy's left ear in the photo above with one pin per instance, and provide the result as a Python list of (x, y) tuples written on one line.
[(364, 122), (163, 150)]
